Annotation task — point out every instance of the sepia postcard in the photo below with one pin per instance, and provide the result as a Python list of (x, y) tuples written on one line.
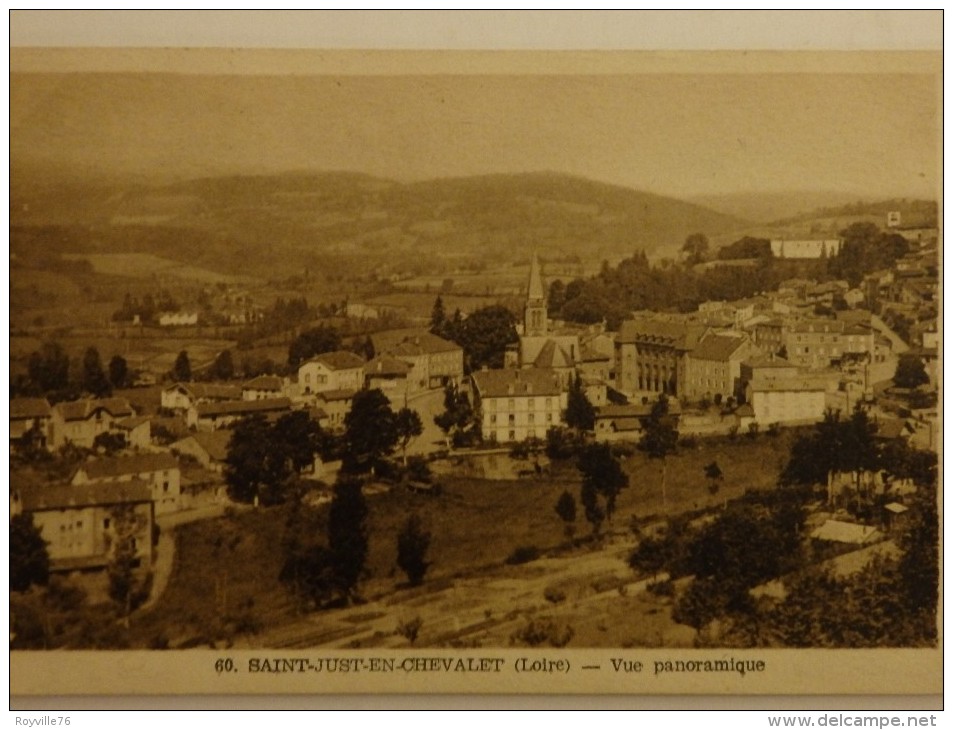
[(490, 372)]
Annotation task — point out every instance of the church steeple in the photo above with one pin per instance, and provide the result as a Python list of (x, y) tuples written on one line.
[(534, 322)]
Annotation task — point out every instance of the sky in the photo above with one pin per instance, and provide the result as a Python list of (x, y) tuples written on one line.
[(703, 132)]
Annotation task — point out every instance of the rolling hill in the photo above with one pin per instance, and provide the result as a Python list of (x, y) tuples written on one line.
[(301, 220)]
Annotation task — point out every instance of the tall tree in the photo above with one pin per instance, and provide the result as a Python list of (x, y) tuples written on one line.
[(409, 426), (94, 378), (254, 472), (264, 459), (49, 367), (566, 509), (695, 248), (223, 368), (413, 541), (182, 370), (370, 430), (438, 317), (580, 412), (118, 372), (910, 373), (602, 480), (347, 534), (660, 436), (484, 336), (457, 415), (128, 586), (29, 558)]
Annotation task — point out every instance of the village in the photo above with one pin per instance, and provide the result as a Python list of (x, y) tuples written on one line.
[(108, 481)]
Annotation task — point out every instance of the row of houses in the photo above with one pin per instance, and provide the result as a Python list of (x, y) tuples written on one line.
[(35, 423)]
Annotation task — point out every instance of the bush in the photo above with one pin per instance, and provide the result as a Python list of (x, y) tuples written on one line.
[(733, 433), (774, 429), (410, 629), (663, 588), (543, 631), (523, 554), (554, 594), (689, 442)]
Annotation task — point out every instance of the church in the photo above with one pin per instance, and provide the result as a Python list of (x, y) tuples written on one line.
[(540, 344)]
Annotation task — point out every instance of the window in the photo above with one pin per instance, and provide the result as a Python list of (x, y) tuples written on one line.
[(530, 404), (511, 404), (512, 420), (165, 487), (493, 418), (79, 524), (532, 418), (512, 435), (549, 418), (549, 402), (106, 524)]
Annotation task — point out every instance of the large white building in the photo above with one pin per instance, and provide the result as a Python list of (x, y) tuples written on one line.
[(517, 404)]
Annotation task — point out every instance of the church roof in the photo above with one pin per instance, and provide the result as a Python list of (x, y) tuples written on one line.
[(536, 290), (552, 356)]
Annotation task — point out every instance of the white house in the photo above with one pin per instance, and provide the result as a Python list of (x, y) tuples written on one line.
[(339, 370), (517, 404)]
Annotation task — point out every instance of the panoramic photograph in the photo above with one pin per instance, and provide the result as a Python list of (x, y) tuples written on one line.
[(307, 358)]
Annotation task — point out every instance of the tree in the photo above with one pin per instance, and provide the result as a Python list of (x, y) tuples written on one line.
[(408, 427), (438, 317), (695, 248), (182, 370), (109, 442), (370, 430), (263, 459), (580, 413), (49, 367), (566, 509), (413, 542), (29, 558), (297, 440), (223, 368), (484, 336), (748, 544), (254, 472), (911, 372), (715, 476), (128, 586), (660, 437), (118, 372), (313, 342), (94, 379), (602, 480), (347, 535), (457, 414)]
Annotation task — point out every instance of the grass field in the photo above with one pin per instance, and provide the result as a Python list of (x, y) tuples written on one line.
[(475, 524)]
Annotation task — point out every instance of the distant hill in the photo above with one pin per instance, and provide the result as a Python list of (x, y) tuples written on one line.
[(296, 220), (773, 206)]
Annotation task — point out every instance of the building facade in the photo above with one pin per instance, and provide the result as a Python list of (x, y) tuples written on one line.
[(518, 404)]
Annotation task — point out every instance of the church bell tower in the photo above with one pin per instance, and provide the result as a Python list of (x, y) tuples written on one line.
[(534, 320)]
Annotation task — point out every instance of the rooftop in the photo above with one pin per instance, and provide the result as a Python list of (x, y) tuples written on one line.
[(410, 343), (717, 347), (29, 408), (339, 360), (207, 391), (678, 335), (80, 410), (238, 407), (387, 366), (214, 443), (124, 465), (37, 498), (511, 381), (848, 532), (264, 382)]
